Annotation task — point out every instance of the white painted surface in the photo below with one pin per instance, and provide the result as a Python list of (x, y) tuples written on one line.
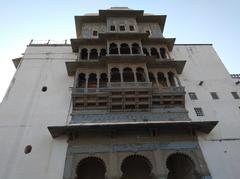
[(26, 112)]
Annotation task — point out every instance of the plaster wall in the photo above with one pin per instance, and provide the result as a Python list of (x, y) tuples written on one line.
[(221, 146), (26, 111)]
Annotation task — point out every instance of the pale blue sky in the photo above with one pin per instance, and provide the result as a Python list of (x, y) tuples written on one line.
[(190, 21)]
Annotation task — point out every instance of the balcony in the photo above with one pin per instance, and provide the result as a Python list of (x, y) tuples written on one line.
[(126, 85)]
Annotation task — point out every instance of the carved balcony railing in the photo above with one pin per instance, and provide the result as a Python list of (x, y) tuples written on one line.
[(129, 85)]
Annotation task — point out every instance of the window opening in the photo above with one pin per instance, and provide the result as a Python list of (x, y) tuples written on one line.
[(192, 96), (199, 111), (214, 95)]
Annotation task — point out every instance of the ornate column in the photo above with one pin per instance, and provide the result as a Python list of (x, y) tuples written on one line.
[(135, 75), (86, 85), (98, 77), (146, 73), (156, 79), (167, 80)]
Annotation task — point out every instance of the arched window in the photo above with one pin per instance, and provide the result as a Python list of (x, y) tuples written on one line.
[(128, 75), (124, 49), (136, 167), (145, 51), (91, 168), (103, 80), (84, 54), (115, 75), (152, 79), (141, 76), (81, 80), (135, 48), (171, 79), (92, 80), (113, 49), (103, 52), (181, 166), (154, 52), (163, 53), (93, 54), (161, 79)]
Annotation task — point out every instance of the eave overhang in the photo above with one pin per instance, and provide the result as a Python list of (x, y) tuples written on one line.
[(121, 13), (104, 60), (103, 14), (75, 43), (160, 19), (162, 126), (79, 20), (73, 66), (177, 64), (123, 36), (169, 42), (16, 61), (126, 58)]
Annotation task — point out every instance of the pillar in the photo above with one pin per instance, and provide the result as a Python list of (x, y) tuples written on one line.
[(135, 76), (146, 73), (86, 85), (166, 76)]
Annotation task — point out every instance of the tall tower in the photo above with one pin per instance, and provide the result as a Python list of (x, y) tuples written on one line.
[(113, 105)]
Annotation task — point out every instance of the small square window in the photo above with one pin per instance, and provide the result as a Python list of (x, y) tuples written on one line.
[(131, 27), (192, 96), (214, 95), (112, 28), (235, 95), (148, 32), (199, 111), (95, 33), (122, 28)]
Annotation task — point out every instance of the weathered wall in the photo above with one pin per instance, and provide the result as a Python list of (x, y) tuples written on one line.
[(221, 146), (26, 112)]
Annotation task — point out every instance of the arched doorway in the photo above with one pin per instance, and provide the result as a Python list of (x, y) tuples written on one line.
[(128, 75), (141, 77), (81, 80), (103, 80), (84, 54), (92, 80), (136, 167), (171, 79), (115, 75), (135, 49), (91, 168), (124, 49), (113, 49), (181, 166)]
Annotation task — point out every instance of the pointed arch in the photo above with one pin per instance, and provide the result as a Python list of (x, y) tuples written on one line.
[(128, 75), (136, 167), (135, 48), (92, 80), (84, 54), (81, 80), (115, 75), (93, 54), (91, 168), (141, 76), (124, 48), (154, 52), (181, 166), (171, 78), (113, 49)]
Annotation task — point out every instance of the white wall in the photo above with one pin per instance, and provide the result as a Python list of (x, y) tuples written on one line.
[(26, 112), (221, 146)]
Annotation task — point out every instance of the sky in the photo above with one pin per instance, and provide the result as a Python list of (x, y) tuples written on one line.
[(189, 21)]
